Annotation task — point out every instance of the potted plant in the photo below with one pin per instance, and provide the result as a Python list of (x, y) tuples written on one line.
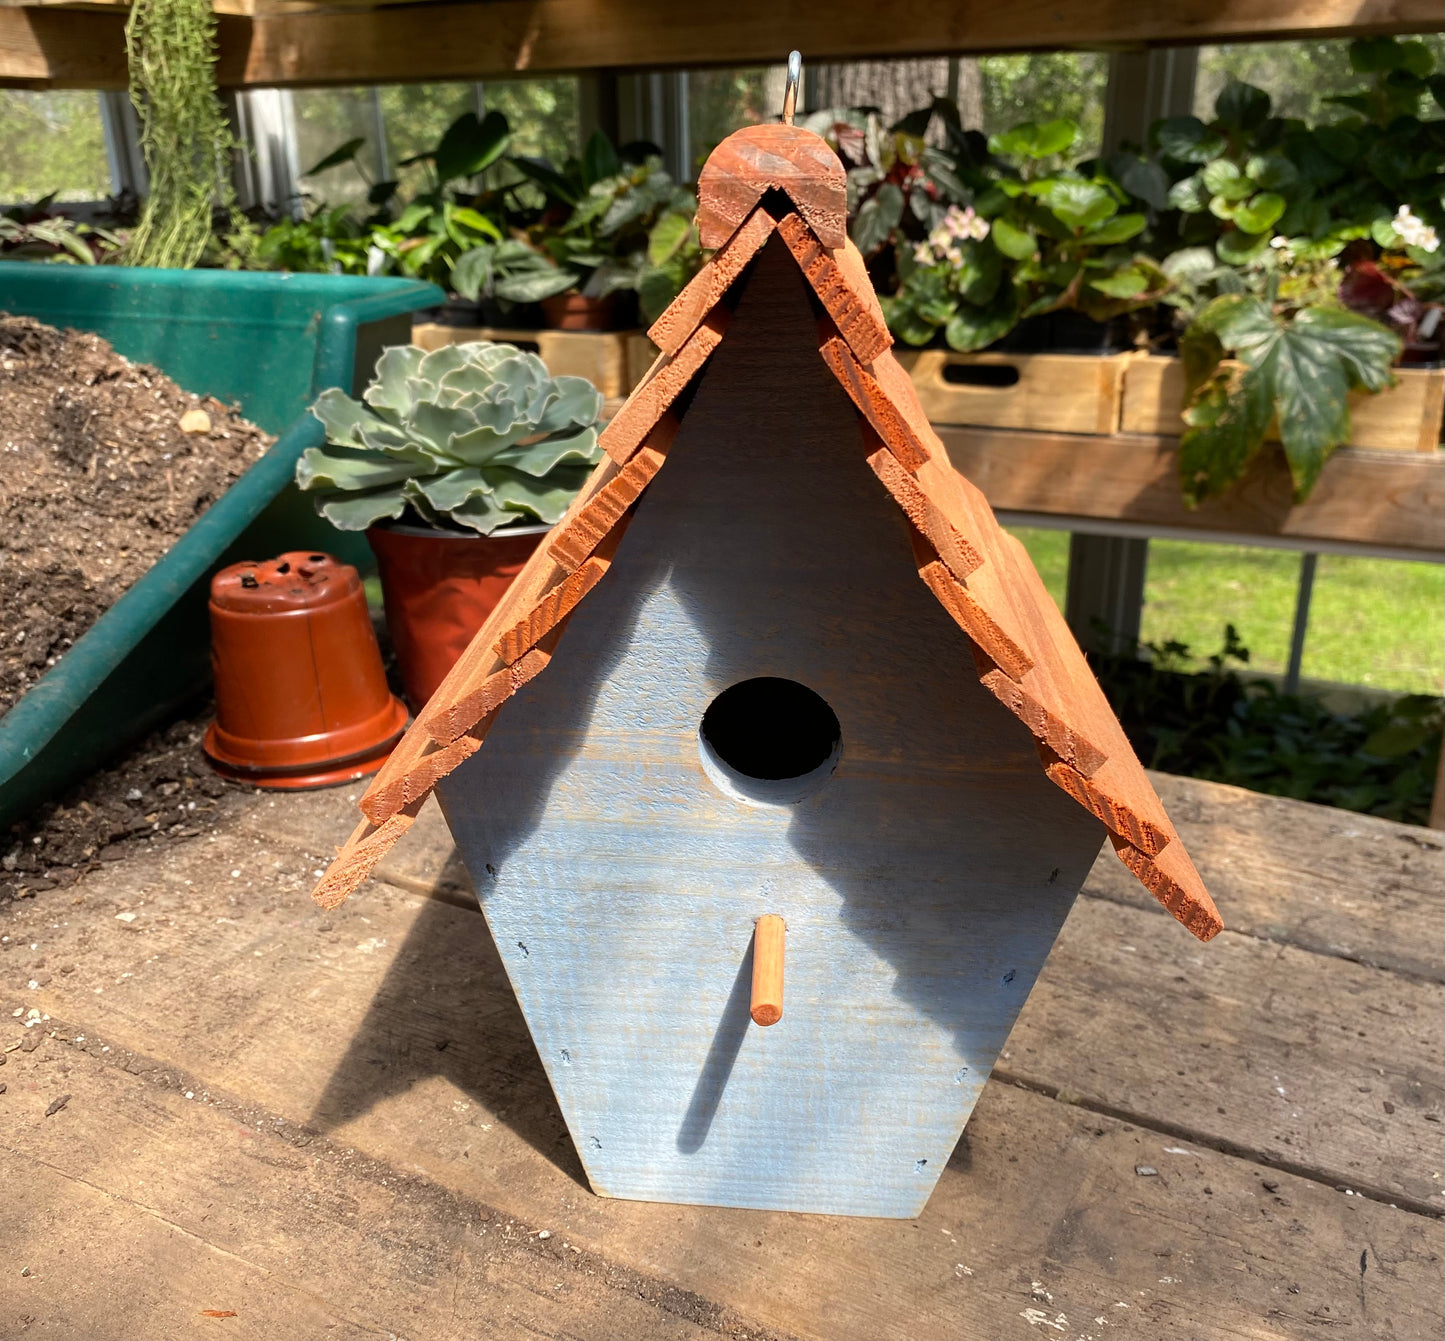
[(456, 463), (616, 224), (1309, 263)]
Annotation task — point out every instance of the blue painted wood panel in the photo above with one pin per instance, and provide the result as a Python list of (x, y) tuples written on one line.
[(922, 884)]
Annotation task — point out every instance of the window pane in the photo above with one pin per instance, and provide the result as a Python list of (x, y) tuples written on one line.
[(542, 113), (51, 141), (1375, 622), (1043, 86), (1298, 76), (721, 101), (325, 119), (416, 117)]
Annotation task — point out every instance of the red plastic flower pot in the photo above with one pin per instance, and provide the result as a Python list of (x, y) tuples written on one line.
[(439, 587), (301, 696)]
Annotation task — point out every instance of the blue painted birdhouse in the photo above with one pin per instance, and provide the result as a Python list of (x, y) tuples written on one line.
[(779, 726)]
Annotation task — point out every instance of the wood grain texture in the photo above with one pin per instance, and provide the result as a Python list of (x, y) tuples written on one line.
[(705, 290), (1393, 499), (409, 1113), (758, 159), (559, 601), (921, 883), (571, 544), (1056, 393), (1405, 418), (895, 429), (667, 380), (974, 620), (953, 548), (769, 944), (514, 38), (840, 279)]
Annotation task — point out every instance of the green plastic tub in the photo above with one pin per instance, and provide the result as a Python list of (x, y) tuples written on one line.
[(267, 342)]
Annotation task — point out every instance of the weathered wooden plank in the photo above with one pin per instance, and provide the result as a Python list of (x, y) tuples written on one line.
[(1391, 499), (192, 1209), (1324, 880), (514, 37), (410, 1059), (1320, 1064)]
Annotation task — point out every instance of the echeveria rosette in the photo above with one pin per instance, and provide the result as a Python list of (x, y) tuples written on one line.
[(478, 434)]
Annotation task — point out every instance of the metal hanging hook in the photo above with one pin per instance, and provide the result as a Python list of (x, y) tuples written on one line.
[(790, 91)]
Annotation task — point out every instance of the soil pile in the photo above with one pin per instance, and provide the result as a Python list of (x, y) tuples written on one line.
[(98, 478), (162, 792)]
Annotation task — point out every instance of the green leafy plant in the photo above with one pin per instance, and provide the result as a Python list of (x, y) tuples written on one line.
[(1216, 724), (32, 233), (1250, 362), (617, 221), (1033, 241), (476, 435), (170, 47)]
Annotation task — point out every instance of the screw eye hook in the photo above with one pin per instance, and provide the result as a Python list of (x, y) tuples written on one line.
[(790, 90)]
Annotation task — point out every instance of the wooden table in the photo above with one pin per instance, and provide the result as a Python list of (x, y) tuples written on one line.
[(336, 1125)]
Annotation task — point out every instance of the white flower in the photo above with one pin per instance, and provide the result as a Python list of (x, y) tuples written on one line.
[(1414, 231), (923, 254), (963, 223)]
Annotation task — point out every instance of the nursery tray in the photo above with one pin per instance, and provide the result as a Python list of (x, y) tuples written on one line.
[(613, 361), (269, 342), (1406, 418), (1050, 393)]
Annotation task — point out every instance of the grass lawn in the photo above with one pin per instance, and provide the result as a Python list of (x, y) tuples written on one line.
[(1373, 622)]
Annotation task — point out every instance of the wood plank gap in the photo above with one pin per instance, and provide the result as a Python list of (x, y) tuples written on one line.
[(1399, 1201)]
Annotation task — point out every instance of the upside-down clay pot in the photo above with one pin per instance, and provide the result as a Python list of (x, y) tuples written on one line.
[(301, 696), (439, 587), (573, 312)]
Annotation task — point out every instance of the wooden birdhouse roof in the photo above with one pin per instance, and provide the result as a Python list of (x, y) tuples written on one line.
[(782, 181)]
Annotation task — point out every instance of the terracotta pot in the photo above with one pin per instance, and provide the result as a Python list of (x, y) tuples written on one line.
[(301, 696), (573, 312), (439, 587)]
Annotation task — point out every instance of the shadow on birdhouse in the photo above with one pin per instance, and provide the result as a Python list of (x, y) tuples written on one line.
[(773, 836)]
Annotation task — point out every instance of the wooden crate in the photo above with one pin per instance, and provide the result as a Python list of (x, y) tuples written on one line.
[(1053, 393), (1405, 418), (613, 361)]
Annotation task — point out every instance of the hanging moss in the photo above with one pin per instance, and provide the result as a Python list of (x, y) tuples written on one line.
[(171, 46)]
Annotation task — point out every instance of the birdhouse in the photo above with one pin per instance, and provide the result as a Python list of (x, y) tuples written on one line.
[(777, 770)]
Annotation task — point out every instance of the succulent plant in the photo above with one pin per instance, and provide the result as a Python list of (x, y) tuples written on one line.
[(479, 434)]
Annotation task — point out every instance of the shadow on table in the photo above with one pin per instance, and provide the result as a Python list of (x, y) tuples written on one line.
[(445, 1008)]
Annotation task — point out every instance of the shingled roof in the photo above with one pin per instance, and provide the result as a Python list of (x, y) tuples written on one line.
[(783, 180)]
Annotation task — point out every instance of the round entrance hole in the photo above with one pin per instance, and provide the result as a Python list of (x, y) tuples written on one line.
[(769, 740)]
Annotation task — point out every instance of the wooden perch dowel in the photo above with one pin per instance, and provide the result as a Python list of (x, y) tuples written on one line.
[(767, 1007)]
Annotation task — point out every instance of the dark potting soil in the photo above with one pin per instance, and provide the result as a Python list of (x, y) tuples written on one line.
[(162, 792), (97, 480)]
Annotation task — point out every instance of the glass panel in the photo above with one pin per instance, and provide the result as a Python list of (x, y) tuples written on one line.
[(542, 113), (51, 141), (1374, 622), (721, 101), (1040, 87), (325, 118), (1298, 76)]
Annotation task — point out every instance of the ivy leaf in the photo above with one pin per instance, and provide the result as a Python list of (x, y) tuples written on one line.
[(1273, 172), (1127, 283), (1300, 369), (1142, 179), (1237, 248)]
